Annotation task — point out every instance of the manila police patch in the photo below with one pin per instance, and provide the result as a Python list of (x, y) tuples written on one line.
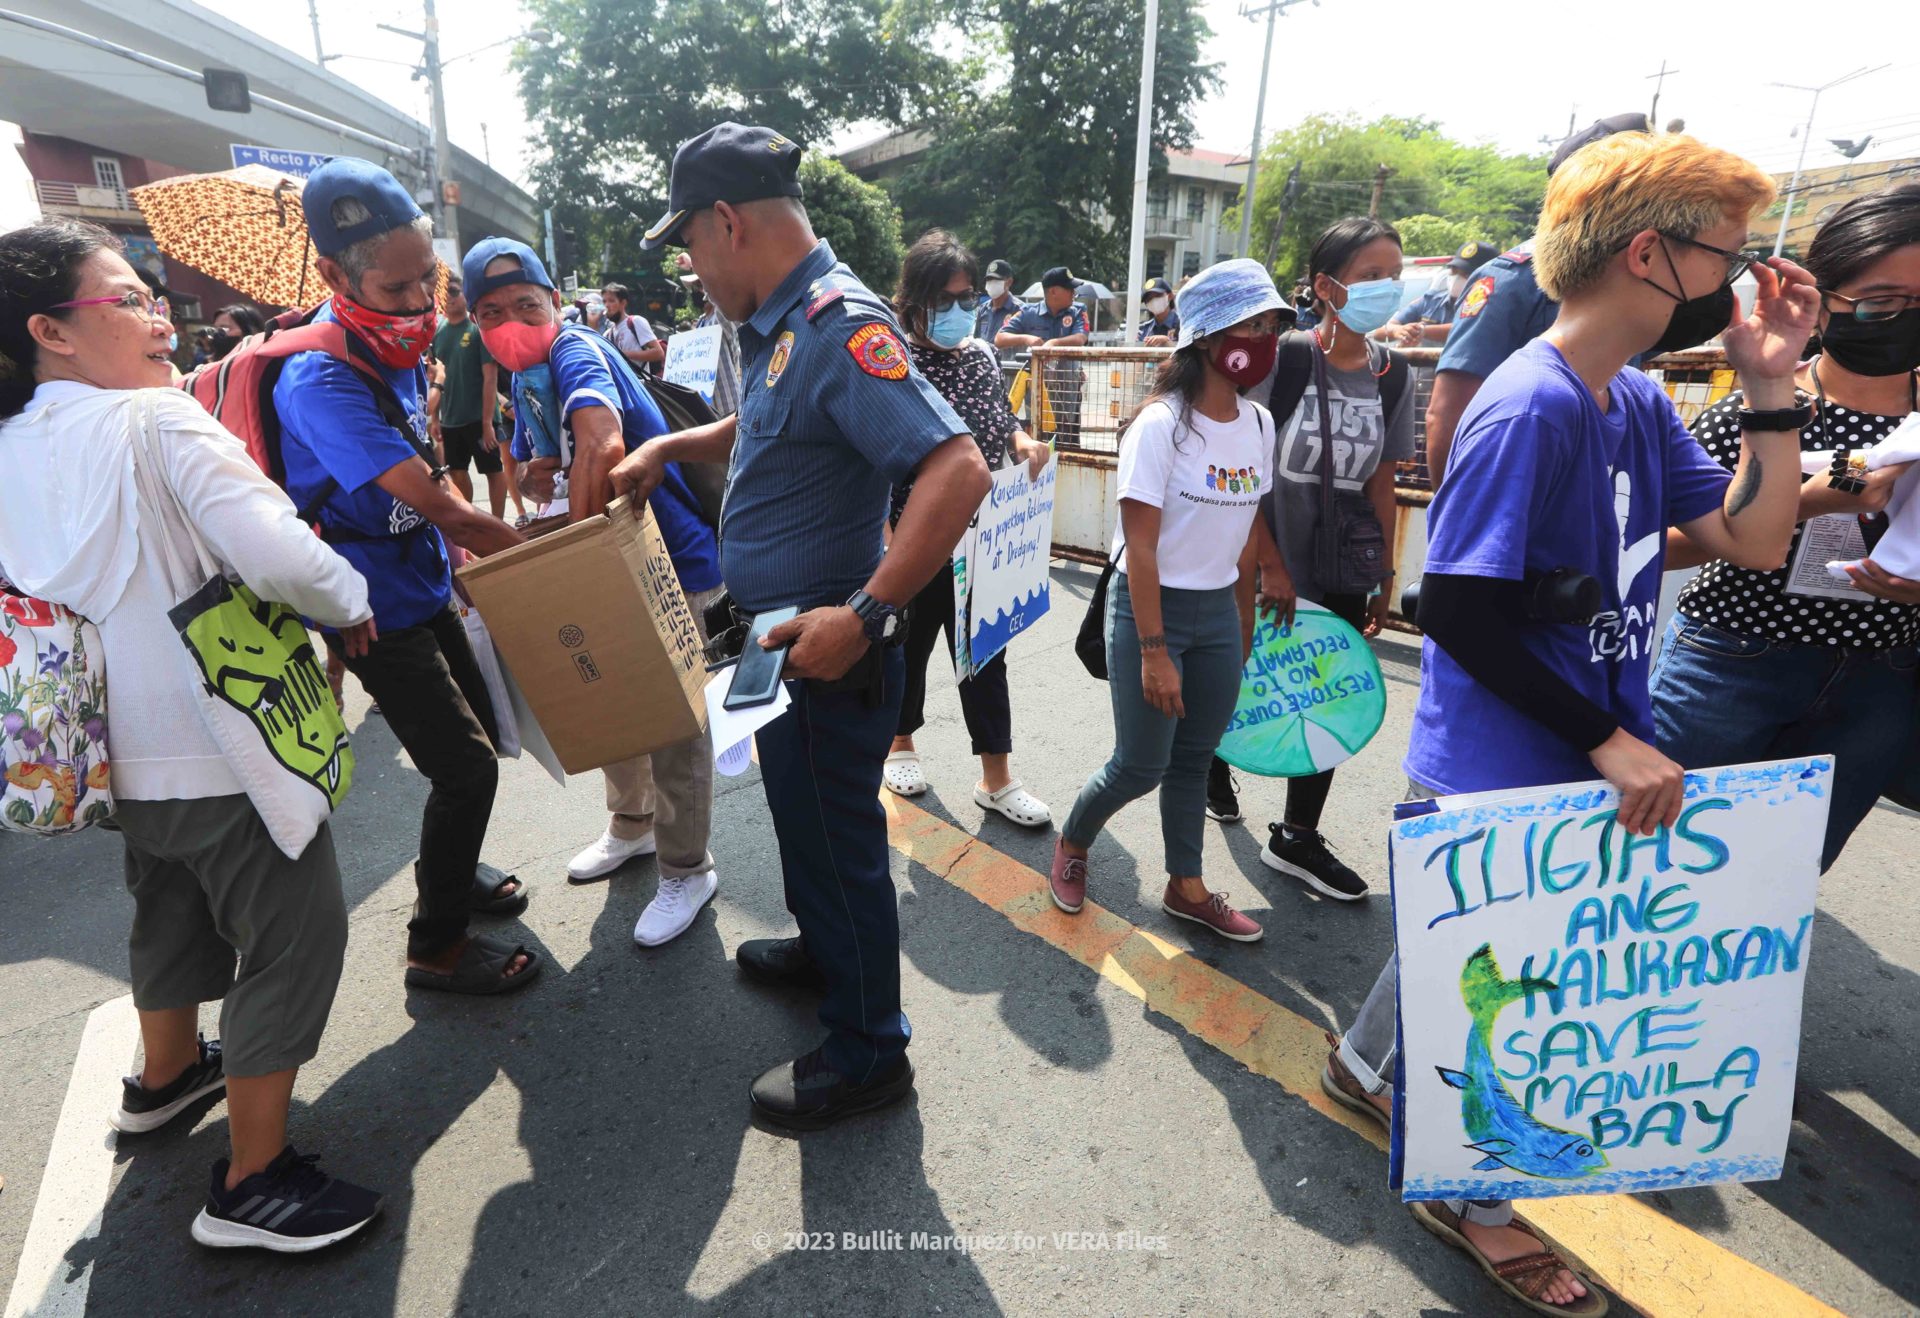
[(782, 353), (878, 351), (1476, 298)]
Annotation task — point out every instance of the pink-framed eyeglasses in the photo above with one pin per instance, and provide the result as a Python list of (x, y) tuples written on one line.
[(134, 300)]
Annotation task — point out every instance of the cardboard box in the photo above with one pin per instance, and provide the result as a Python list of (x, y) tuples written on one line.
[(593, 624)]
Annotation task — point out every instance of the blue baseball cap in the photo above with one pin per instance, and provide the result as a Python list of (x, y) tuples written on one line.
[(389, 205), (1223, 295), (729, 162), (476, 283)]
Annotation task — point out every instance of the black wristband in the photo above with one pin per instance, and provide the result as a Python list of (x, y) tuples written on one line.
[(1780, 419)]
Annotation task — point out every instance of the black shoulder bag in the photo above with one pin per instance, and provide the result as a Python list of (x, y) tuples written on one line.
[(1091, 641)]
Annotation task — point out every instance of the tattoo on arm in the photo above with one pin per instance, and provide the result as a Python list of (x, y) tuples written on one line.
[(1746, 487), (1158, 642)]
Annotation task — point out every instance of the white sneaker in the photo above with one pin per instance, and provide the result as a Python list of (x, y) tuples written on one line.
[(673, 908), (608, 854)]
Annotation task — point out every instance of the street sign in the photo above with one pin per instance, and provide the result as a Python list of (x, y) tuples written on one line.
[(297, 163)]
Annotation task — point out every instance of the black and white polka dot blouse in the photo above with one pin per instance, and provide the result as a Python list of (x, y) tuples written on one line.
[(1757, 603), (969, 379)]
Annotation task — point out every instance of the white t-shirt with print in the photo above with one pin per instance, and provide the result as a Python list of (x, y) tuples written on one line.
[(631, 334), (1206, 478)]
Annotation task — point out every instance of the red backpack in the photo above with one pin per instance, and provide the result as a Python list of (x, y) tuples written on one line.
[(238, 389)]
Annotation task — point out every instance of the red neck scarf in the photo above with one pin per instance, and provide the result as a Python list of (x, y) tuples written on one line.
[(398, 340)]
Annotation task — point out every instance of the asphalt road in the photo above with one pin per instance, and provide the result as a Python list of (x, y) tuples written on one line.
[(585, 1147)]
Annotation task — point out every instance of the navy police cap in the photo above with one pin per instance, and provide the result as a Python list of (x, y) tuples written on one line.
[(729, 162)]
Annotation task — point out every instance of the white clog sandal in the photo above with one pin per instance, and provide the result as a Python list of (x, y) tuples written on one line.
[(1016, 803), (902, 774)]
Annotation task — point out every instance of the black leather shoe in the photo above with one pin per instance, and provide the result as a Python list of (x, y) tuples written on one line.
[(782, 962), (807, 1094)]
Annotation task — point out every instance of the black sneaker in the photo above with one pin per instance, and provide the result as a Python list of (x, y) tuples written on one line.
[(1223, 793), (142, 1110), (807, 1094), (1307, 857), (782, 962), (291, 1207)]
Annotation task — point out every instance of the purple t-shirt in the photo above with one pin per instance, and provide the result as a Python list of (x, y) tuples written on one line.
[(1541, 478)]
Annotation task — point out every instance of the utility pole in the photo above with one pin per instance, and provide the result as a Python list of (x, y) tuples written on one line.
[(313, 17), (1379, 189), (1250, 9), (486, 144), (1659, 81), (1806, 135), (446, 213), (1288, 195), (1142, 150)]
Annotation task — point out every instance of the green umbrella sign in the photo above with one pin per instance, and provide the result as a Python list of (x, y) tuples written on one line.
[(1310, 697)]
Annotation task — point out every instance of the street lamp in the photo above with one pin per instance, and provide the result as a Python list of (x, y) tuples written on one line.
[(1806, 135)]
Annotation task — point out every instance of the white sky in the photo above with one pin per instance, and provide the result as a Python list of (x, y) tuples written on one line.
[(1514, 82)]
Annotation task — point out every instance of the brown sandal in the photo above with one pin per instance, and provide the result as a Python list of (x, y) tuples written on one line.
[(1524, 1278), (1340, 1085)]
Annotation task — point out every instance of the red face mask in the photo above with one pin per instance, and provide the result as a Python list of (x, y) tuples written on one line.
[(1244, 359), (519, 346), (398, 339)]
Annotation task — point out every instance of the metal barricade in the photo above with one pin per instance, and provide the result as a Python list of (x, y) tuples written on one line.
[(1083, 398)]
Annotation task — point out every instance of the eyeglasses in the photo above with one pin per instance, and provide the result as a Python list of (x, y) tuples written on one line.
[(134, 299), (1870, 309), (1737, 262), (966, 301)]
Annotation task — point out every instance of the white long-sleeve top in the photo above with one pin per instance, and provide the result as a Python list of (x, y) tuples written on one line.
[(71, 531)]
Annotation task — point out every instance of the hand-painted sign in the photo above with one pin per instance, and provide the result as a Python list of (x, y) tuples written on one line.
[(300, 164), (693, 359), (1310, 697), (1584, 1011), (1012, 540)]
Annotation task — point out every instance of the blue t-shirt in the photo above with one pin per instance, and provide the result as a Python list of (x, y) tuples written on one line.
[(1541, 478), (1049, 325), (584, 375), (1502, 310), (332, 431)]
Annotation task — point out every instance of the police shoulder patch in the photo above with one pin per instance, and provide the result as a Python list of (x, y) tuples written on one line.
[(1476, 298), (877, 350), (822, 298)]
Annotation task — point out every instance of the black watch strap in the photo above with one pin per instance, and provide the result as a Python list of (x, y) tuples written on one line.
[(1785, 418)]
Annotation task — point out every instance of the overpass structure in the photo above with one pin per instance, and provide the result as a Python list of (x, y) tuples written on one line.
[(54, 85)]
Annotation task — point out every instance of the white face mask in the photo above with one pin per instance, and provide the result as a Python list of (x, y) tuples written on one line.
[(1456, 285), (1157, 305), (995, 287)]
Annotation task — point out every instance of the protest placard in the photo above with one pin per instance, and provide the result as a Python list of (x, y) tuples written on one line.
[(1310, 697), (693, 359), (1584, 1011), (1012, 540)]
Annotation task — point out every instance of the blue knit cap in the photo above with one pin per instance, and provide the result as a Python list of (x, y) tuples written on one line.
[(1223, 295)]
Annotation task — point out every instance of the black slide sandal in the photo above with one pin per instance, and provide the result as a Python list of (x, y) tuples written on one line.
[(481, 971)]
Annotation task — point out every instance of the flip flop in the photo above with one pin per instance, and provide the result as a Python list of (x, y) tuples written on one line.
[(1524, 1278), (1017, 804), (487, 898), (902, 774), (481, 970)]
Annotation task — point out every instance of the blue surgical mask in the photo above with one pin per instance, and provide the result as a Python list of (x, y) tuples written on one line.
[(173, 341), (950, 328), (1370, 304)]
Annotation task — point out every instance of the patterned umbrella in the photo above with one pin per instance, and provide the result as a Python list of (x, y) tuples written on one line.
[(242, 226)]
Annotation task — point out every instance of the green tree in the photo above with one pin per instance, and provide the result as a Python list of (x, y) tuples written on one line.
[(1447, 189), (1038, 166), (624, 82), (857, 218)]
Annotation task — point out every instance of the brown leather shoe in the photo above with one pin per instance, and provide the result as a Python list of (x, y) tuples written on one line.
[(1339, 1084)]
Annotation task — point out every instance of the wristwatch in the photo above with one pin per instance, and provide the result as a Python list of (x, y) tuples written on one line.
[(880, 620), (1849, 471)]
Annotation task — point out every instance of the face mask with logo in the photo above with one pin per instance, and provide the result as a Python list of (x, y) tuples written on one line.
[(1370, 304), (1158, 306), (950, 328), (1245, 359), (398, 339), (519, 346), (995, 287), (1877, 347), (1694, 319)]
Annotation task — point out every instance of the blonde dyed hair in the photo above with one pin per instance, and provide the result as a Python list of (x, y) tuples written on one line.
[(1606, 192)]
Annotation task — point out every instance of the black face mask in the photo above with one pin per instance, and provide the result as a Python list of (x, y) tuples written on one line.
[(1881, 347), (1694, 319), (221, 342)]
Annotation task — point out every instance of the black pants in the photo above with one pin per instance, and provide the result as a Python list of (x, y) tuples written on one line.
[(1307, 797), (983, 697), (430, 689)]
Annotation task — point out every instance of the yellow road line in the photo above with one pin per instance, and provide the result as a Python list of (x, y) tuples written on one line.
[(1649, 1260)]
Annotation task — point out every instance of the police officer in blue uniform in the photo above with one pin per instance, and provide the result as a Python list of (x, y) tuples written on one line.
[(832, 416), (1429, 318), (1163, 322), (1000, 305), (1501, 312)]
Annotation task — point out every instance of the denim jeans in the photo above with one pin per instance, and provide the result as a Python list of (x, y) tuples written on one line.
[(1721, 697), (1151, 750)]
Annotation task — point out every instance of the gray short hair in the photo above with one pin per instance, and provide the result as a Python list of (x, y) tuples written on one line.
[(361, 256)]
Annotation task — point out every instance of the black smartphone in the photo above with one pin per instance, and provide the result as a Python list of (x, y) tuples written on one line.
[(757, 676)]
